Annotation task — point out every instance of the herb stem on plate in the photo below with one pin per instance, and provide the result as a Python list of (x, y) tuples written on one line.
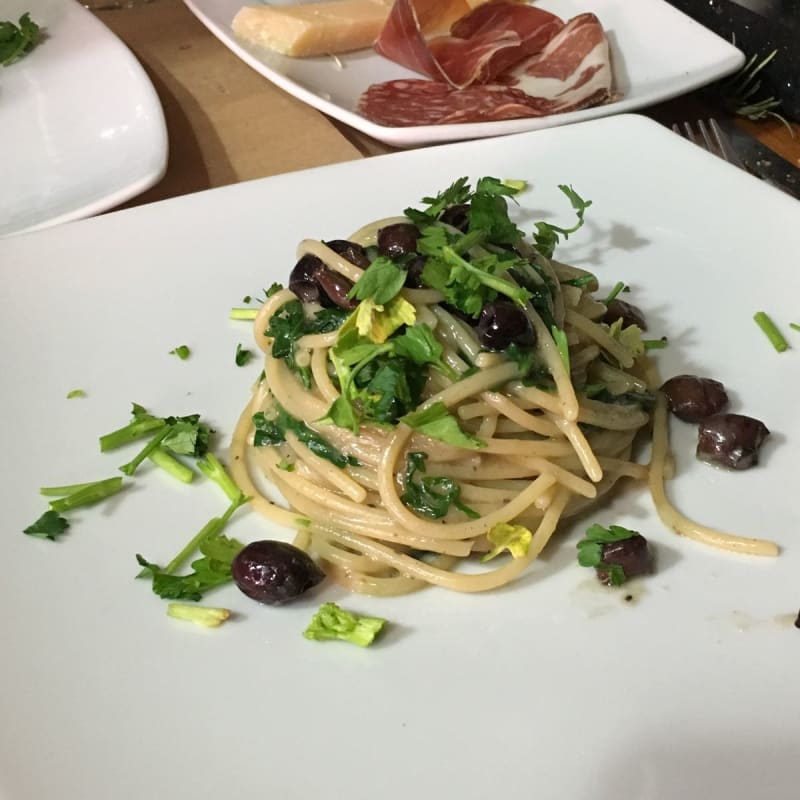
[(771, 331)]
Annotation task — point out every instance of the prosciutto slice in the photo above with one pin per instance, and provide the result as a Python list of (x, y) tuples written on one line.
[(571, 70), (481, 45)]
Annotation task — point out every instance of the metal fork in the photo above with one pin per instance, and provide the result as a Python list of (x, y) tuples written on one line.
[(710, 137)]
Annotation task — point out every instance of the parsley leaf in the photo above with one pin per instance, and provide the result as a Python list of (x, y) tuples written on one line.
[(381, 281), (547, 236), (17, 41), (48, 526), (270, 432), (242, 355), (437, 422), (431, 496), (457, 193), (182, 351), (290, 323), (591, 549)]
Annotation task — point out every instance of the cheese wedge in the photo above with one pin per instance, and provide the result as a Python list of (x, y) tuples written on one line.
[(313, 29)]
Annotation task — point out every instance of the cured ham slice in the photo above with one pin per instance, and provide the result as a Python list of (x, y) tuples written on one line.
[(569, 70), (404, 103), (480, 46), (581, 46)]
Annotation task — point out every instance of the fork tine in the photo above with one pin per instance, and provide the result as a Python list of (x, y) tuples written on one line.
[(708, 142), (688, 132), (722, 141)]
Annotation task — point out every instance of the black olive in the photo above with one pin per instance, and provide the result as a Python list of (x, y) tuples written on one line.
[(398, 240), (500, 323), (274, 572), (633, 555), (732, 440), (457, 216), (303, 278), (692, 398), (630, 315), (350, 251), (336, 286), (414, 272)]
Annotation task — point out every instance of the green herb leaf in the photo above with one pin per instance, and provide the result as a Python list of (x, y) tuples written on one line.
[(285, 328), (272, 431), (457, 193), (381, 281), (333, 622), (182, 351), (75, 393), (48, 526), (547, 236), (431, 496), (590, 549), (242, 355), (17, 41), (437, 422)]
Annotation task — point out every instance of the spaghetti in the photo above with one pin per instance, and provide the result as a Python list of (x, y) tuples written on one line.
[(516, 438)]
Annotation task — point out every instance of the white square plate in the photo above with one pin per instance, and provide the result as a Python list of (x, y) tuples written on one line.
[(553, 687), (657, 53), (81, 127)]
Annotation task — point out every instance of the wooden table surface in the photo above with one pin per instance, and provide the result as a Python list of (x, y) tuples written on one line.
[(227, 123)]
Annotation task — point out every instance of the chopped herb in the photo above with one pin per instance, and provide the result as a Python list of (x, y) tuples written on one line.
[(162, 459), (580, 281), (48, 526), (242, 355), (437, 422), (619, 286), (17, 41), (208, 572), (547, 236), (211, 467), (794, 326), (457, 193), (560, 338), (243, 313), (201, 615), (630, 337), (247, 299), (88, 494), (381, 281), (590, 549), (272, 431), (273, 289), (75, 393), (467, 285), (63, 491), (332, 622), (378, 322), (431, 496), (771, 331), (141, 425), (655, 344), (285, 328), (504, 536), (182, 351)]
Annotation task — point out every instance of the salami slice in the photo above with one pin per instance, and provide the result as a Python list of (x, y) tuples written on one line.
[(404, 103)]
